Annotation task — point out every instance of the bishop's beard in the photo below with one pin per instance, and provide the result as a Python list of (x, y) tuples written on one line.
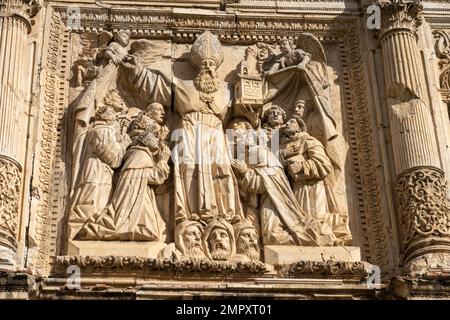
[(207, 81)]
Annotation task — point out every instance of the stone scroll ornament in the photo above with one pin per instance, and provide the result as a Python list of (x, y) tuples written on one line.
[(443, 53), (422, 191), (10, 181)]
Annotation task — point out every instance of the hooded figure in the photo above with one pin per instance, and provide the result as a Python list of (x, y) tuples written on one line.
[(218, 240), (247, 241), (188, 235)]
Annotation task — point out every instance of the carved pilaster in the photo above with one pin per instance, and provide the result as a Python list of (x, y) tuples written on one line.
[(14, 26), (423, 207), (10, 181)]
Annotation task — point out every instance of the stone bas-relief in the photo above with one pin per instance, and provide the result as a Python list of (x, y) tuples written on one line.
[(161, 152), (233, 192)]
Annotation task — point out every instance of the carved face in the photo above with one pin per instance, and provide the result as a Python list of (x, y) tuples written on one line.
[(292, 127), (208, 64), (150, 141), (207, 79), (156, 112), (219, 244), (122, 38), (192, 242), (247, 243), (285, 46), (192, 237), (300, 108), (275, 117)]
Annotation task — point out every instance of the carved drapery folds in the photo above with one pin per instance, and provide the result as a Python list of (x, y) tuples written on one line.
[(216, 174), (421, 186)]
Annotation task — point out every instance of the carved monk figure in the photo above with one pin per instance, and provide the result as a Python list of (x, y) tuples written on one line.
[(308, 166), (282, 221), (218, 240), (156, 112), (188, 245), (247, 248), (204, 183), (132, 213), (272, 123), (103, 150)]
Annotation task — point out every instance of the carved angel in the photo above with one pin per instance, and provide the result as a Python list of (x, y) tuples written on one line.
[(89, 63)]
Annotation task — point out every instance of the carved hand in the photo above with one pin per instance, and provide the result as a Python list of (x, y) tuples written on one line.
[(165, 153), (239, 166), (294, 168), (250, 114)]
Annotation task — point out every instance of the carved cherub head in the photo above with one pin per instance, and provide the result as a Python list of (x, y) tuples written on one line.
[(274, 117), (286, 46), (122, 37)]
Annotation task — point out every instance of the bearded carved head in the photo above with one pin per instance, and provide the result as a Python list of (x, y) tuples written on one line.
[(188, 236), (247, 240), (218, 240), (207, 56)]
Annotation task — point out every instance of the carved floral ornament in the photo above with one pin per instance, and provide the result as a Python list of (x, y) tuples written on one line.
[(10, 180), (423, 205), (443, 53)]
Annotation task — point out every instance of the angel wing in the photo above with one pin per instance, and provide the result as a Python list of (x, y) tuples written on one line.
[(310, 44), (149, 52), (91, 43)]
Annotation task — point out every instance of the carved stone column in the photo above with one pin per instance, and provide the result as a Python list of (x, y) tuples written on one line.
[(14, 26), (423, 207)]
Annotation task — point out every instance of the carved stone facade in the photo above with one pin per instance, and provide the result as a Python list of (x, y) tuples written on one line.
[(179, 144)]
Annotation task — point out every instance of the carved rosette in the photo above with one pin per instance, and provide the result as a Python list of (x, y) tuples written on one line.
[(400, 14), (424, 210), (10, 181)]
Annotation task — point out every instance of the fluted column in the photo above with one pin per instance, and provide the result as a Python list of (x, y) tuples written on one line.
[(14, 26), (423, 207)]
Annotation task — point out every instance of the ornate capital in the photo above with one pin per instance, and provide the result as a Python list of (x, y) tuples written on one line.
[(424, 210), (10, 181), (25, 9), (404, 14)]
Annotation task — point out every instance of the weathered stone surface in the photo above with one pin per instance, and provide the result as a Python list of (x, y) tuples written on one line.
[(291, 254), (171, 145), (116, 248)]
